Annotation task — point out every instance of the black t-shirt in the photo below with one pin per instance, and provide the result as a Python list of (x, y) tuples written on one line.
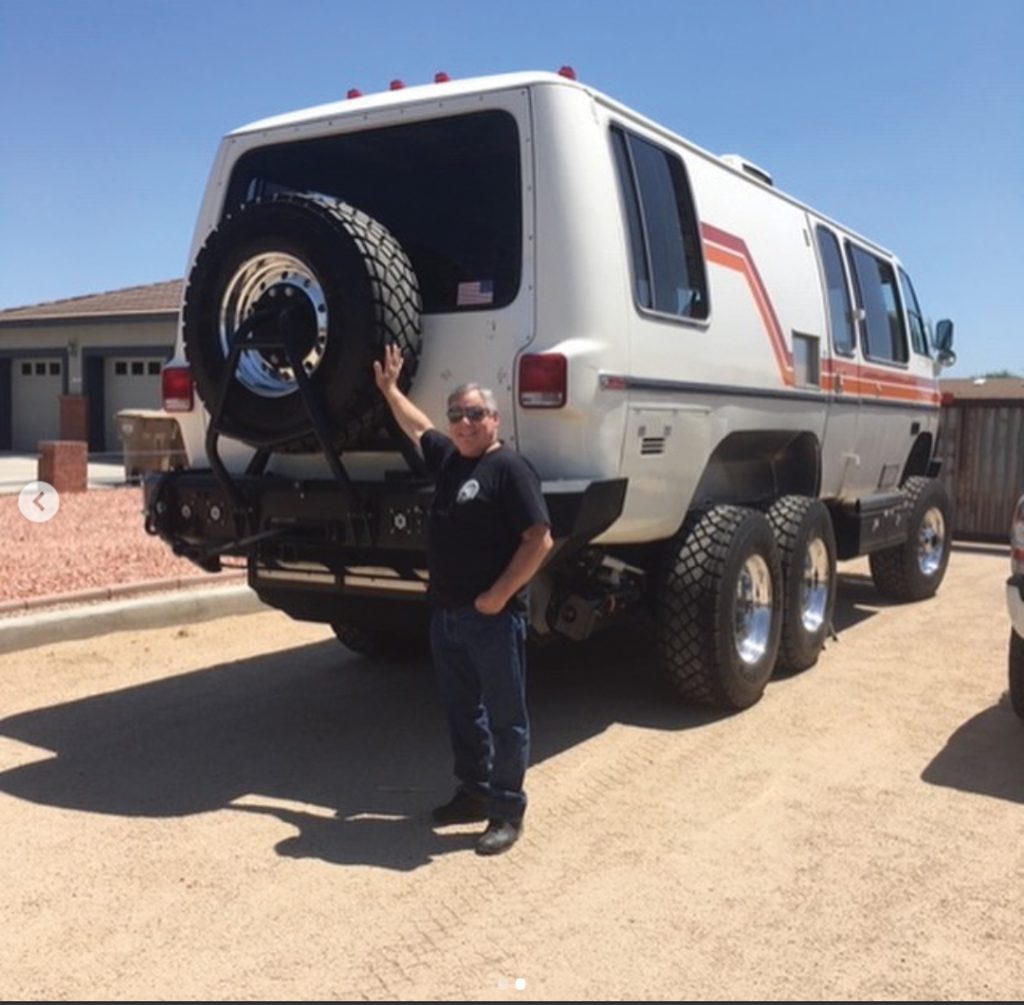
[(481, 507)]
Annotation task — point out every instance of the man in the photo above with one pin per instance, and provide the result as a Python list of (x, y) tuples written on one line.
[(488, 534)]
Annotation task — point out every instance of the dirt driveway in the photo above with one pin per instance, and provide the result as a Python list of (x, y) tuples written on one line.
[(238, 810)]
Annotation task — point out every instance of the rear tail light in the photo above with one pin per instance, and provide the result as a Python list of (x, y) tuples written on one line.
[(1017, 540), (177, 388), (543, 378)]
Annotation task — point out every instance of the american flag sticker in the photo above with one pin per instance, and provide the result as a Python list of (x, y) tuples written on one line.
[(474, 294)]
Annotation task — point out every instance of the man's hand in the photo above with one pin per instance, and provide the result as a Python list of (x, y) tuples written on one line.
[(386, 373), (529, 557), (490, 602), (410, 419)]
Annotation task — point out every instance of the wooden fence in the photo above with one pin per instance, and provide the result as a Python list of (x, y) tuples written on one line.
[(981, 445)]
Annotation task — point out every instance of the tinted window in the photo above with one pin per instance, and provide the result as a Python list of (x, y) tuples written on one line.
[(918, 331), (448, 189), (885, 338), (668, 268), (840, 316)]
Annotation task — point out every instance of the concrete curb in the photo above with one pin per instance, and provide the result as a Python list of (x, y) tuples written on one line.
[(179, 607), (119, 592)]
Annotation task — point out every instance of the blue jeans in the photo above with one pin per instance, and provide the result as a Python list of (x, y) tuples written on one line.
[(480, 660)]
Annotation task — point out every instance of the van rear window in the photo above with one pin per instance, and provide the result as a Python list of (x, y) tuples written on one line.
[(449, 190)]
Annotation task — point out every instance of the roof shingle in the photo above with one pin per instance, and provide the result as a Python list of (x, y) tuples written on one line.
[(155, 298)]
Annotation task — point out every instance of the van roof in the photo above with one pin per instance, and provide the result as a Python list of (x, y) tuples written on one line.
[(406, 94), (417, 93)]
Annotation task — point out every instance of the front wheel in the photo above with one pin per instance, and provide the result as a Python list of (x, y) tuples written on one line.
[(718, 608), (1017, 673), (915, 569)]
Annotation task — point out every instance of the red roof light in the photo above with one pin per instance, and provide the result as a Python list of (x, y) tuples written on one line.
[(397, 85), (567, 71), (441, 77)]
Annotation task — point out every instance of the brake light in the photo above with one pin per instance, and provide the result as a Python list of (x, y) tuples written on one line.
[(177, 388), (543, 379), (1017, 539)]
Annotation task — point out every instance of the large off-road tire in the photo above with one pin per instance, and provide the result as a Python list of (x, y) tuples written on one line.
[(718, 608), (1016, 662), (807, 550), (378, 644), (350, 291), (915, 569)]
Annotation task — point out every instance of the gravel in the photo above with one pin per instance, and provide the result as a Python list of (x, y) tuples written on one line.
[(96, 540)]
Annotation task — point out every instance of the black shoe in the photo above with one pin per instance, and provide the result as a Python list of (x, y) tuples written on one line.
[(463, 808), (499, 836)]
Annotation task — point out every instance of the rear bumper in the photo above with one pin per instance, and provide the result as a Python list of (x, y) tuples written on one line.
[(317, 536)]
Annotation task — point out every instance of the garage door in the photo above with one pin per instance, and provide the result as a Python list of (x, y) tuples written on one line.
[(128, 382), (36, 387)]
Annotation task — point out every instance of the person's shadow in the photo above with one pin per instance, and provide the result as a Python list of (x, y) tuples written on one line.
[(350, 753)]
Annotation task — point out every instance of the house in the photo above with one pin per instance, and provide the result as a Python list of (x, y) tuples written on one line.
[(67, 367)]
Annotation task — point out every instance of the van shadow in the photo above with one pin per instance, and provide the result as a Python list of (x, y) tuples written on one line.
[(857, 600), (350, 753), (984, 756)]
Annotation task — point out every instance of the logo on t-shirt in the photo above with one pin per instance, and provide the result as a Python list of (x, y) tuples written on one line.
[(469, 490)]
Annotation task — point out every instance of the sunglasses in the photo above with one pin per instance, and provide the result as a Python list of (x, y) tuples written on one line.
[(474, 413)]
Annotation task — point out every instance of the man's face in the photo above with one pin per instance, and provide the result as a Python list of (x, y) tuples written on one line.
[(472, 436)]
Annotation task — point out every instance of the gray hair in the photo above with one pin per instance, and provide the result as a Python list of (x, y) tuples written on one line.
[(486, 394)]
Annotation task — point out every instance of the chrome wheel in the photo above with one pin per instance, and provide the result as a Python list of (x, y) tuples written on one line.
[(262, 283), (931, 542), (814, 586), (754, 611)]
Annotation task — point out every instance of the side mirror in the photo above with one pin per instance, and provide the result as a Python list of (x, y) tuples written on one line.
[(944, 343)]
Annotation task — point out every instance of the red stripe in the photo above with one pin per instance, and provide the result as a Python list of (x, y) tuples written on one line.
[(883, 383)]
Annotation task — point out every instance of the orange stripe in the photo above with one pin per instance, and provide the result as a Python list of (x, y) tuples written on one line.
[(856, 379), (739, 264)]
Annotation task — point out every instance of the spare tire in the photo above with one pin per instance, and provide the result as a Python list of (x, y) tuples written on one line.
[(351, 290)]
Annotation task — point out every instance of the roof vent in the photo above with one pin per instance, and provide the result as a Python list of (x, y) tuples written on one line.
[(748, 167)]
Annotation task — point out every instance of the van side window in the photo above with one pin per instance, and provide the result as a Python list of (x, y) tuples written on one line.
[(885, 337), (665, 249), (918, 330), (840, 313)]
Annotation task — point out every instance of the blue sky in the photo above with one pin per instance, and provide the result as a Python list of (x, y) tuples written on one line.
[(903, 119)]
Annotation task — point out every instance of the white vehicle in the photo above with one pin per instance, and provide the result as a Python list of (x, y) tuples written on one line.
[(722, 390), (1015, 605)]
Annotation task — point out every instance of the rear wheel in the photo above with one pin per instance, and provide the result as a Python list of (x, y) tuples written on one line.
[(377, 643), (718, 608), (807, 548), (913, 570)]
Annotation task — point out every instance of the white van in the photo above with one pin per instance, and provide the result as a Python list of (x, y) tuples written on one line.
[(722, 390)]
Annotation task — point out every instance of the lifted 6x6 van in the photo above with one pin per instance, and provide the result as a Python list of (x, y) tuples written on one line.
[(723, 391)]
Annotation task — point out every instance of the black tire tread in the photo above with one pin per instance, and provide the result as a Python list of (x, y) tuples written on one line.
[(1016, 675), (893, 569), (686, 607), (787, 516), (396, 310)]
